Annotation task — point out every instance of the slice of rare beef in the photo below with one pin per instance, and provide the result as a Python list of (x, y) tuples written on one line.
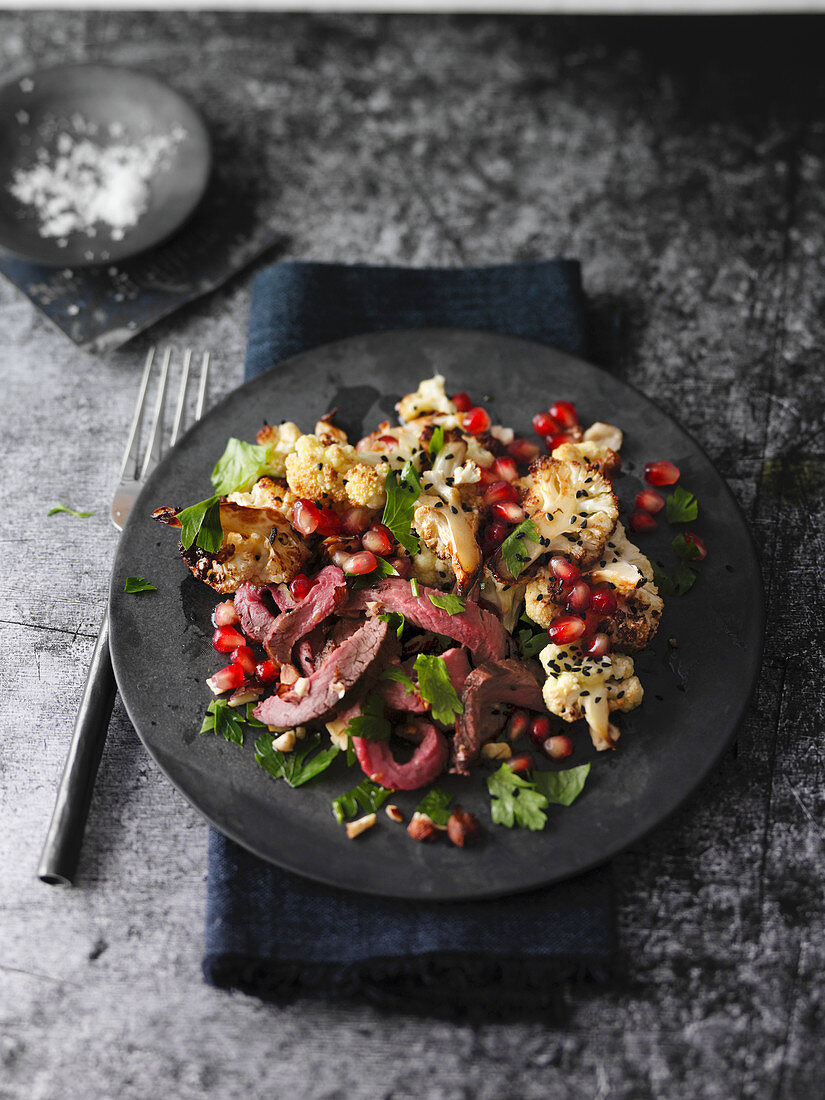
[(496, 682), (328, 592)]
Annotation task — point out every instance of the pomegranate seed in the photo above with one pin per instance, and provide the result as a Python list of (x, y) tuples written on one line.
[(661, 473), (225, 614), (603, 601), (559, 440), (544, 424), (244, 657), (521, 763), (565, 629), (565, 570), (558, 747), (641, 521), (523, 451), (462, 401), (564, 413), (289, 674), (300, 586), (225, 639), (355, 521), (494, 535), (505, 468), (229, 677), (487, 477), (508, 512), (329, 522), (378, 539), (591, 624), (517, 725), (402, 565), (500, 492), (540, 730), (267, 671), (340, 556), (699, 543), (305, 516), (476, 420), (649, 501), (578, 598), (597, 646), (360, 563)]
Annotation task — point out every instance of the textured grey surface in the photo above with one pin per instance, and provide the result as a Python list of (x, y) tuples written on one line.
[(683, 164)]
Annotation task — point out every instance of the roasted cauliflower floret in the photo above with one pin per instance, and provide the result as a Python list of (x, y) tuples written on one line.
[(267, 493), (505, 598), (447, 513), (258, 545), (432, 571), (333, 474), (542, 599), (590, 688), (625, 568), (606, 461), (428, 398), (573, 507), (607, 436), (281, 440)]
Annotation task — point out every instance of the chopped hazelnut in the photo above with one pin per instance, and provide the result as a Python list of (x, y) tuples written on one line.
[(355, 828), (463, 828), (422, 828), (393, 813), (496, 750)]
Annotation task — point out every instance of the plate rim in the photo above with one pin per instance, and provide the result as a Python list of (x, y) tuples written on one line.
[(629, 838)]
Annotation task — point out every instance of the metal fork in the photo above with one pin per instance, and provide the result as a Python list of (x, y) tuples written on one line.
[(61, 851)]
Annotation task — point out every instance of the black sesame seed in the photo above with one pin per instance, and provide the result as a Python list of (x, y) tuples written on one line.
[(453, 509)]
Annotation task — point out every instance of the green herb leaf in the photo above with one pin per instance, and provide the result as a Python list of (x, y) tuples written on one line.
[(296, 767), (435, 686), (434, 804), (366, 797), (201, 523), (222, 720), (70, 511), (512, 548), (370, 723), (395, 620), (530, 644), (399, 675), (562, 788), (681, 506), (402, 492), (516, 801), (250, 719), (239, 467), (687, 551), (365, 580), (414, 587), (453, 605), (676, 585), (436, 440), (138, 584)]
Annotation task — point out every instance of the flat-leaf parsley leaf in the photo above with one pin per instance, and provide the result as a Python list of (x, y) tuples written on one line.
[(201, 523), (222, 720), (434, 804), (435, 686), (516, 801), (453, 605), (677, 584), (138, 584), (436, 440), (240, 465), (402, 490), (370, 723), (296, 767), (512, 548), (562, 788), (400, 675), (681, 506), (367, 796)]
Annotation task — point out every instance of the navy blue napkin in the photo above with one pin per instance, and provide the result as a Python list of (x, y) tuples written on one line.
[(277, 935)]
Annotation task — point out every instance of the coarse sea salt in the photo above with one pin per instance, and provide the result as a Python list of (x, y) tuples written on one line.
[(80, 182)]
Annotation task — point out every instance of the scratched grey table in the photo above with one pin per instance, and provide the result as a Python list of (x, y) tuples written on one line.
[(683, 164)]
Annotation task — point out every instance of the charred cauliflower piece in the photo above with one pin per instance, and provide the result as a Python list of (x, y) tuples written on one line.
[(447, 512), (625, 568), (258, 545), (590, 688), (428, 398), (505, 598), (573, 507), (281, 441), (333, 474), (606, 461), (542, 599), (431, 570), (267, 493)]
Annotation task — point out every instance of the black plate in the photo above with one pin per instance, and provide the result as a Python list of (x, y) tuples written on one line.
[(138, 106), (695, 694)]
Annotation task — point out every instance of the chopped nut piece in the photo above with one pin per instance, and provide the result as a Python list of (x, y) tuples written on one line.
[(463, 828), (496, 750), (422, 828), (286, 742), (301, 686), (300, 732), (355, 828), (337, 733), (393, 813)]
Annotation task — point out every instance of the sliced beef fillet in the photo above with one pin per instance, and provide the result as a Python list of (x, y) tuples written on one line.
[(397, 695), (478, 630), (327, 593), (324, 690), (491, 684), (256, 617), (426, 763), (458, 667)]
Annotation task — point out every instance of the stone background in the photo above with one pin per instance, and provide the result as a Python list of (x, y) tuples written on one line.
[(683, 163)]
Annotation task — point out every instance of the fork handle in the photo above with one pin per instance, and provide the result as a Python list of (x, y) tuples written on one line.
[(61, 851)]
